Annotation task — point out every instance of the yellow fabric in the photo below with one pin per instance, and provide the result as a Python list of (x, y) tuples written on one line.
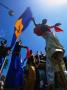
[(18, 27)]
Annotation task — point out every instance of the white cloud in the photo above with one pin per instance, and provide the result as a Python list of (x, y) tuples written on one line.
[(55, 3), (50, 5)]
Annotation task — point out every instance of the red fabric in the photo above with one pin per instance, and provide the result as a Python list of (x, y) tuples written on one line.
[(37, 30), (49, 29), (58, 29), (28, 53)]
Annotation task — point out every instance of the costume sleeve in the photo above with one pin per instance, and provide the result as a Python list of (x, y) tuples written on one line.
[(23, 46)]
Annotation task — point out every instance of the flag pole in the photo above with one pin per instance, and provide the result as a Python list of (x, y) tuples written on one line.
[(2, 67)]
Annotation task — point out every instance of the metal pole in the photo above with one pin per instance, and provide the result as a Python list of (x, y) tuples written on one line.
[(10, 12), (4, 6)]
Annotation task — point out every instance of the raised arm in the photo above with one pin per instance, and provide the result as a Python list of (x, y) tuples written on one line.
[(57, 24), (34, 21)]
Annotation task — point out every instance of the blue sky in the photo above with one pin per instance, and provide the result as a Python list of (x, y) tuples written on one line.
[(53, 10)]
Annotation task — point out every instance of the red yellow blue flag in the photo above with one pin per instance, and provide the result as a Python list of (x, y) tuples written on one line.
[(22, 23)]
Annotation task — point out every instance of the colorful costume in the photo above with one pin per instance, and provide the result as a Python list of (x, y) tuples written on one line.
[(54, 50)]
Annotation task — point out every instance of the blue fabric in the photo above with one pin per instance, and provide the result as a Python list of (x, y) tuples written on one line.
[(26, 18), (15, 76)]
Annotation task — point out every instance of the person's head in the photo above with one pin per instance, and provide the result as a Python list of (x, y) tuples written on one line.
[(4, 43), (44, 21)]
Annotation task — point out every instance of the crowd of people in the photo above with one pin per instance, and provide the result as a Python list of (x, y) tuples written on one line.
[(42, 72), (37, 74), (18, 77)]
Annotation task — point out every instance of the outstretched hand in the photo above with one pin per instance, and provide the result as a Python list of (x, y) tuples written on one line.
[(57, 24)]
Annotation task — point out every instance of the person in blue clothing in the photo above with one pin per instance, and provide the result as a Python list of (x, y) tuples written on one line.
[(15, 75)]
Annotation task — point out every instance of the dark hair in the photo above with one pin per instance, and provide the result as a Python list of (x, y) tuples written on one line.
[(30, 51), (3, 42), (44, 21)]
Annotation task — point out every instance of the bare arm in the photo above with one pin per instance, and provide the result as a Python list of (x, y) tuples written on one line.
[(57, 24), (34, 21), (51, 26)]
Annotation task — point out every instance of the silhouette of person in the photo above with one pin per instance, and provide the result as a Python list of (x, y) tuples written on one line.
[(4, 51), (15, 75)]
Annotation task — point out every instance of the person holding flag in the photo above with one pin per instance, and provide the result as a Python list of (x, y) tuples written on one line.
[(54, 49), (15, 75)]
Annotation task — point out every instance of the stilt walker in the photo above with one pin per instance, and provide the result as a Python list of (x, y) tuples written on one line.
[(54, 49)]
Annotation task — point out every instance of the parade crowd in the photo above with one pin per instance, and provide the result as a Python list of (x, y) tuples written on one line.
[(44, 71), (37, 74)]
